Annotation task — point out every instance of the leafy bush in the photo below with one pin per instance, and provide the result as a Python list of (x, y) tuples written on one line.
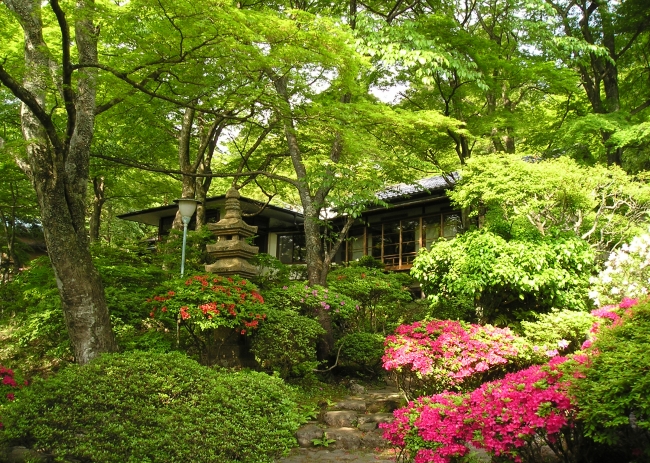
[(210, 309), (429, 357), (309, 300), (612, 388), (167, 253), (138, 407), (626, 273), (510, 418), (567, 327), (286, 343), (362, 349), (381, 296), (368, 262), (508, 281), (272, 272), (38, 334)]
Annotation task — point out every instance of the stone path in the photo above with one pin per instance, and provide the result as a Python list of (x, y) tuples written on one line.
[(348, 430)]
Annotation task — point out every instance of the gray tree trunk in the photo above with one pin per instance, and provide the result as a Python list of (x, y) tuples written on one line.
[(58, 166)]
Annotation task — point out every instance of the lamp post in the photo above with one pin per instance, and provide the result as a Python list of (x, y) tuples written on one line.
[(186, 206)]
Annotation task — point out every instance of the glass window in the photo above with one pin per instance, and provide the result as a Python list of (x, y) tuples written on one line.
[(396, 243), (374, 241), (291, 249), (453, 225), (431, 226), (410, 230), (391, 243), (355, 245)]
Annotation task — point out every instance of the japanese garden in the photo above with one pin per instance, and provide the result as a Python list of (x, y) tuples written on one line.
[(307, 230)]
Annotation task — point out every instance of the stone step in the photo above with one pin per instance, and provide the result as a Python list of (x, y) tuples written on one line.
[(352, 423)]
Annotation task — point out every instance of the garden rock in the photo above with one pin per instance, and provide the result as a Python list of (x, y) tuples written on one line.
[(357, 389), (341, 419), (353, 404), (307, 434), (374, 439), (365, 427), (348, 438), (376, 418), (22, 454)]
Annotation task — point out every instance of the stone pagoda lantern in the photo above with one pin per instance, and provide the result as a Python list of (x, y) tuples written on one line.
[(231, 250)]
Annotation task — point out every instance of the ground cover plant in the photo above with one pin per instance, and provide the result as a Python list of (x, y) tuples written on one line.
[(144, 406)]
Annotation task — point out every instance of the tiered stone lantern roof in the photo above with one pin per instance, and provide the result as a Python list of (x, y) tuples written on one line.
[(231, 250)]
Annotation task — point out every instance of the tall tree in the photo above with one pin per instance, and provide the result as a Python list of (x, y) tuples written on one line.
[(58, 152)]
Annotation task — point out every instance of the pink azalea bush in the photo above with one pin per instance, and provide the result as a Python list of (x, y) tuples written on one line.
[(444, 354), (508, 418)]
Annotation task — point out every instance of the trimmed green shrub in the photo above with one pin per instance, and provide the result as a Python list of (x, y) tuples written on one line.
[(286, 343), (381, 296), (144, 407), (362, 349)]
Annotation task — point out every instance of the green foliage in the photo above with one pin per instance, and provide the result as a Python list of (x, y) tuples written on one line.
[(139, 407), (381, 296), (32, 305), (508, 280), (368, 262), (286, 343), (273, 273), (168, 254), (612, 389), (129, 275), (550, 328), (32, 313), (524, 199), (309, 300), (363, 349)]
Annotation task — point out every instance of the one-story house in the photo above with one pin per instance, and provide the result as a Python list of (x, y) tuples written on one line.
[(416, 216)]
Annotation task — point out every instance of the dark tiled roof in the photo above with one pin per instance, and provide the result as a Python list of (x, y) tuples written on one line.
[(426, 185)]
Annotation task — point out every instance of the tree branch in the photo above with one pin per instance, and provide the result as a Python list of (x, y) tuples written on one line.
[(30, 101)]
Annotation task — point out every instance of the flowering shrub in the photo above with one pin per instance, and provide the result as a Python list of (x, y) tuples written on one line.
[(565, 329), (8, 386), (210, 301), (626, 273), (442, 354), (508, 418)]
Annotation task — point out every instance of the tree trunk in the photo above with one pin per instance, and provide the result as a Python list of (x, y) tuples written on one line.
[(188, 181), (58, 166), (98, 202)]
